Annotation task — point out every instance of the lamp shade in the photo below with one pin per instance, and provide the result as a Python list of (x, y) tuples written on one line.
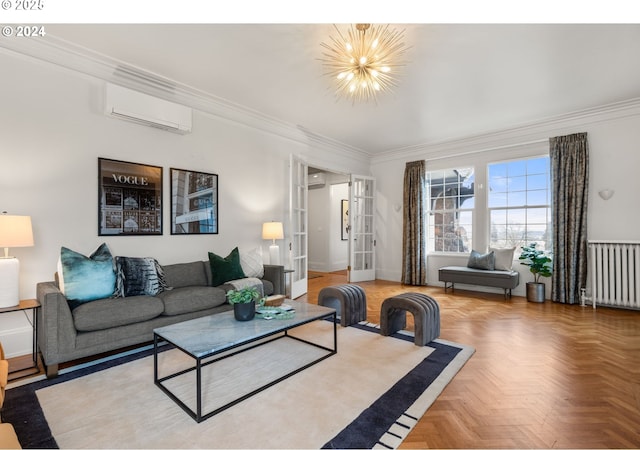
[(15, 231), (272, 230)]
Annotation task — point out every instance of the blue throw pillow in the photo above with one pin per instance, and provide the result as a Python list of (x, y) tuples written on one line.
[(484, 261), (85, 278)]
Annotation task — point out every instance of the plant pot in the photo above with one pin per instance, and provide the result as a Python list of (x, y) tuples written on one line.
[(244, 311), (535, 292)]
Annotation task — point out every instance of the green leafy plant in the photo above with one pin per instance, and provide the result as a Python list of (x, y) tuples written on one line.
[(539, 262), (244, 295)]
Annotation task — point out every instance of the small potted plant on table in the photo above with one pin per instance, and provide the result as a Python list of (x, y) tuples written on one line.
[(540, 265), (244, 302)]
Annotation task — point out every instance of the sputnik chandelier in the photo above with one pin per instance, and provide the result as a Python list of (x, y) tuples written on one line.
[(365, 62)]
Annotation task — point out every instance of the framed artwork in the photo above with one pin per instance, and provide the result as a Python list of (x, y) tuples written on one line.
[(194, 202), (344, 216), (129, 198)]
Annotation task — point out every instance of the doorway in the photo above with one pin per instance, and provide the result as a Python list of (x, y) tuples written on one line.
[(328, 239)]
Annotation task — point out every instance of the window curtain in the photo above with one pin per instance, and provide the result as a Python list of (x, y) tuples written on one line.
[(569, 157), (414, 233)]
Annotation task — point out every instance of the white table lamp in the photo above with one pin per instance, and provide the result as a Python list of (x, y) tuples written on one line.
[(273, 230), (15, 231)]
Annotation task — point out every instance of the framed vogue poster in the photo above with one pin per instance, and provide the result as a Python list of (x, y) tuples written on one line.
[(194, 202), (129, 198)]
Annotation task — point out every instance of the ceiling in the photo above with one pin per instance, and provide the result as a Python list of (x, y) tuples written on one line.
[(459, 80)]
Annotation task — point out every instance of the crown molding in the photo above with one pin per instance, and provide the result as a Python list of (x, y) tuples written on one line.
[(81, 60), (525, 134)]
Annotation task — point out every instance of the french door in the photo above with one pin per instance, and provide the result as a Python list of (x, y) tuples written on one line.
[(362, 243), (298, 218)]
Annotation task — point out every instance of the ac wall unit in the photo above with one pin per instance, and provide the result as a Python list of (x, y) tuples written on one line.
[(316, 180), (134, 106)]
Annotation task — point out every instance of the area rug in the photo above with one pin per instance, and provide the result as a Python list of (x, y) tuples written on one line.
[(370, 394)]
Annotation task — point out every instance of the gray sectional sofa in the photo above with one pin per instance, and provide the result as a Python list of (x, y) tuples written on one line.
[(66, 334)]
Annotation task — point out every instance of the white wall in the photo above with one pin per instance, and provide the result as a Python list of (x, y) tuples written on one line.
[(327, 252), (613, 136), (52, 133)]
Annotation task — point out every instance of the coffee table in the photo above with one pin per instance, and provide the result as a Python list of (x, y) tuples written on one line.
[(210, 339)]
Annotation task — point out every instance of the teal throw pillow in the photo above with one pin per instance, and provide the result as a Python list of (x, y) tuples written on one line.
[(477, 260), (139, 276), (83, 278), (225, 269)]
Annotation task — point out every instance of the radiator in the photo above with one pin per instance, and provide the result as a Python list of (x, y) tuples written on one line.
[(614, 272)]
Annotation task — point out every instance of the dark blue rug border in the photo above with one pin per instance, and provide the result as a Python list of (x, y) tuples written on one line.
[(368, 428), (23, 410)]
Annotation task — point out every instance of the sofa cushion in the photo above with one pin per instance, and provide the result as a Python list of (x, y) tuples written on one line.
[(115, 312), (191, 298), (139, 276), (225, 269), (484, 261), (83, 278), (187, 274)]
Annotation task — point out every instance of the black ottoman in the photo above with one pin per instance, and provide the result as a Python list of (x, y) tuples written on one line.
[(426, 316), (349, 301)]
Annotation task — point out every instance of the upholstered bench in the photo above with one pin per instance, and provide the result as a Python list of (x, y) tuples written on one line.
[(349, 301), (505, 279), (426, 316)]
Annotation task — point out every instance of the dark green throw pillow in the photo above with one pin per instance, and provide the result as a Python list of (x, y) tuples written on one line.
[(225, 269)]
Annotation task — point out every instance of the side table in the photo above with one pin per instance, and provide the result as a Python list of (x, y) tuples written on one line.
[(289, 282), (25, 305)]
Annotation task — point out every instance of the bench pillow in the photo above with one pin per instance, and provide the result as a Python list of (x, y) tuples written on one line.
[(484, 261), (503, 258)]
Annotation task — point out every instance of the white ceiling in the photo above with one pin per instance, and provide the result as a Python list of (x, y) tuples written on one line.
[(460, 80)]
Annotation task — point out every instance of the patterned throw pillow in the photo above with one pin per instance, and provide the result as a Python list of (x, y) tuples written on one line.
[(83, 278), (225, 269), (251, 263), (139, 276)]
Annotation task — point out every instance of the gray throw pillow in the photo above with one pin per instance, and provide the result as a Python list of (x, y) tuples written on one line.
[(484, 261)]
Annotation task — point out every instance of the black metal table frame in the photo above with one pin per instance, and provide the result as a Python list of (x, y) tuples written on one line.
[(24, 306), (197, 414)]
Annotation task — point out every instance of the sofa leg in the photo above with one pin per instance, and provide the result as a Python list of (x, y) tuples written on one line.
[(52, 370)]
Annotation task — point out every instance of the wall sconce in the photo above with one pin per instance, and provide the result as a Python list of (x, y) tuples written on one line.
[(273, 230), (606, 194), (15, 231)]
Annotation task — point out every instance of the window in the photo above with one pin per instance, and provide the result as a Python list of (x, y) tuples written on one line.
[(519, 203), (451, 202)]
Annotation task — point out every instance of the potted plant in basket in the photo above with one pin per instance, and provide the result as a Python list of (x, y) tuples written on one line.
[(540, 265), (244, 302)]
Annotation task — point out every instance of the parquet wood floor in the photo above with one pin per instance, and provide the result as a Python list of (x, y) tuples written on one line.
[(544, 375)]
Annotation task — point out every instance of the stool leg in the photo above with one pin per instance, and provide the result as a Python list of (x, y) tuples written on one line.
[(397, 320)]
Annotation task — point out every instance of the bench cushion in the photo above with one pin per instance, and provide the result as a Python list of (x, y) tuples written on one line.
[(465, 275)]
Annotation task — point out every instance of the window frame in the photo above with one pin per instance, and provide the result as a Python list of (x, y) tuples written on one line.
[(526, 208), (430, 221)]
